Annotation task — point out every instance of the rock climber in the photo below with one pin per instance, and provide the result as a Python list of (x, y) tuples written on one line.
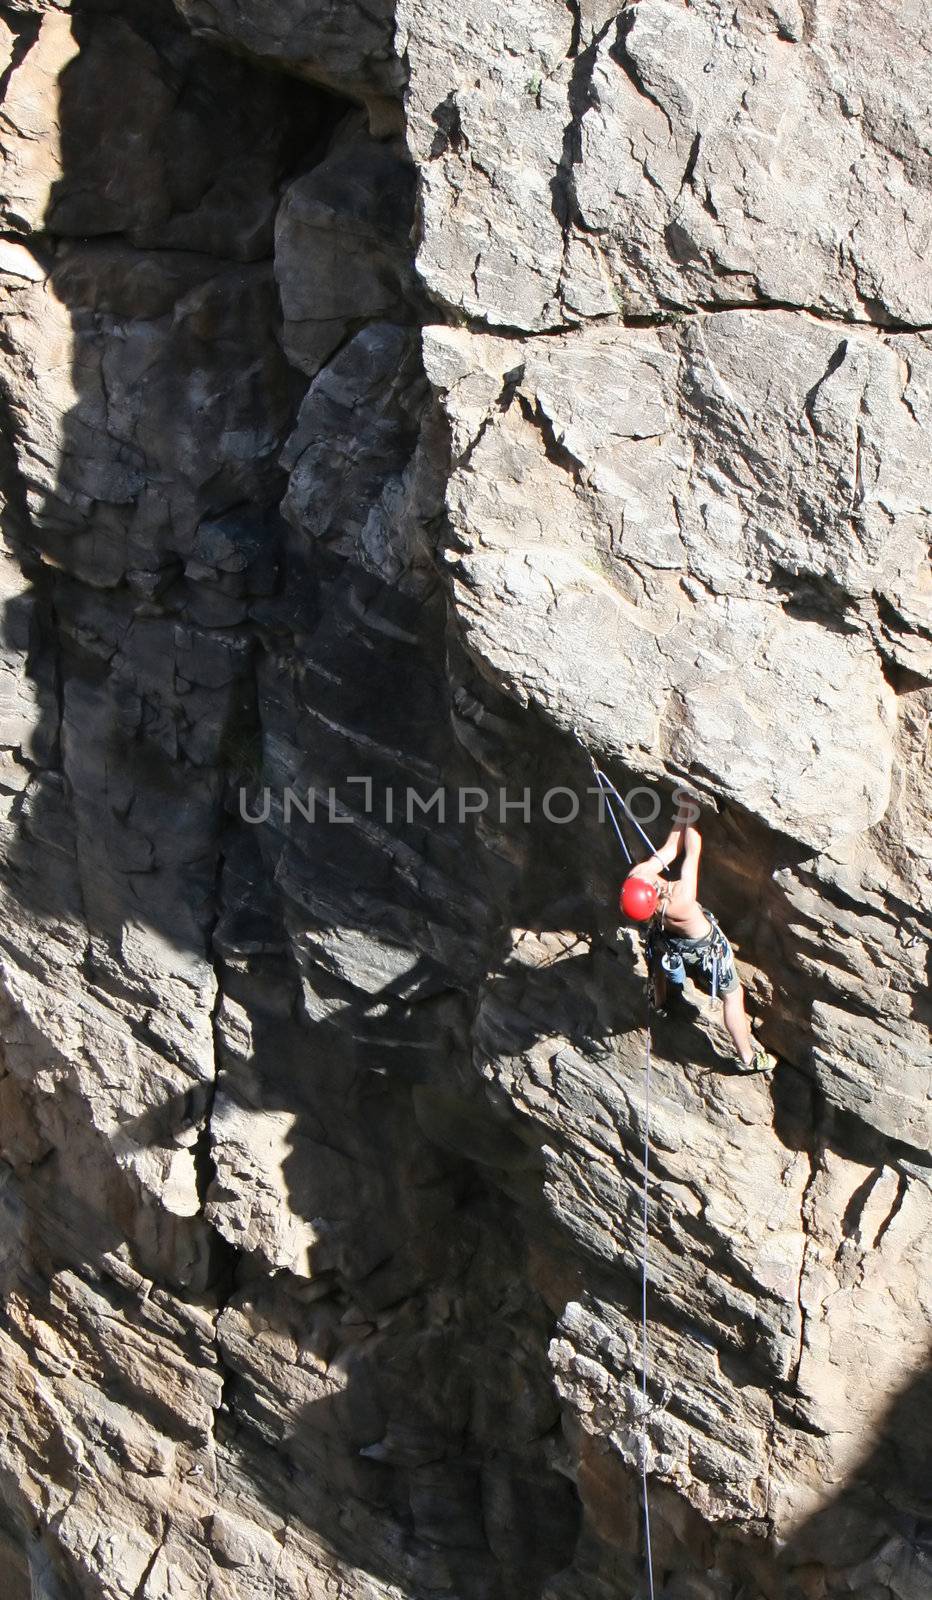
[(684, 937)]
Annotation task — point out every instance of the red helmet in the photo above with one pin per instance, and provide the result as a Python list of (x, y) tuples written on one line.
[(638, 899)]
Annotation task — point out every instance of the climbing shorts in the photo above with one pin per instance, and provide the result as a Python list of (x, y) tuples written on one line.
[(699, 957)]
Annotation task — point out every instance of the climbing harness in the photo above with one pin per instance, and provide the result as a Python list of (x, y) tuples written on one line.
[(712, 954), (609, 792), (659, 954)]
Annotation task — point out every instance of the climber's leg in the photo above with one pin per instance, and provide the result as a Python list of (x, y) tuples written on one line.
[(736, 1021), (658, 983), (753, 1058)]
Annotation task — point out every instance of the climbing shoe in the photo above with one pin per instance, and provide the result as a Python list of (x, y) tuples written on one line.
[(759, 1062)]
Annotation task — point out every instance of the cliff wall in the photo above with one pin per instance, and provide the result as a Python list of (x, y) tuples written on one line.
[(389, 396)]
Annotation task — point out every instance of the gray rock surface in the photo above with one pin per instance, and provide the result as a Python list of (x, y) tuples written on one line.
[(668, 602), (350, 216), (668, 156), (346, 47), (352, 460)]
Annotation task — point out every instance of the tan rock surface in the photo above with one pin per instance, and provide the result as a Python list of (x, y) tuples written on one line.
[(355, 455)]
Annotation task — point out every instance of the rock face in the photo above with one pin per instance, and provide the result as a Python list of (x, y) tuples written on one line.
[(389, 396)]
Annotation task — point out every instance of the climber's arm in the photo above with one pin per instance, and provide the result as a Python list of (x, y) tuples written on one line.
[(671, 847), (689, 871), (662, 858)]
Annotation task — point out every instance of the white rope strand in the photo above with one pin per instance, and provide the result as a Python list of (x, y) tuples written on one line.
[(607, 792), (605, 782), (607, 788), (645, 1240)]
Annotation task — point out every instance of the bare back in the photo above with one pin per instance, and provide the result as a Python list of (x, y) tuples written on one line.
[(680, 912)]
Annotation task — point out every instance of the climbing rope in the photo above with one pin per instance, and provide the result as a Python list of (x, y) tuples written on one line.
[(609, 791), (645, 1242)]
